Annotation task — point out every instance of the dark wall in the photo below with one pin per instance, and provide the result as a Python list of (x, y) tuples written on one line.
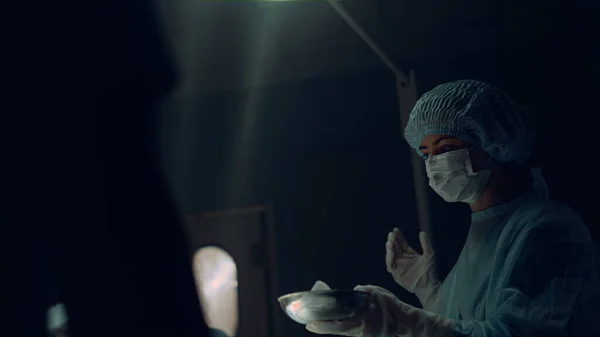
[(327, 154)]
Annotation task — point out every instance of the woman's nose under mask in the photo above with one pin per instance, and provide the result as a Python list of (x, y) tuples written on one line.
[(451, 176)]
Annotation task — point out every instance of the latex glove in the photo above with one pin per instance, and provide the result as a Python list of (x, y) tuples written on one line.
[(320, 285), (386, 316), (413, 271)]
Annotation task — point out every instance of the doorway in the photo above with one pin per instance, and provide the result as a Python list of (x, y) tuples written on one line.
[(233, 266)]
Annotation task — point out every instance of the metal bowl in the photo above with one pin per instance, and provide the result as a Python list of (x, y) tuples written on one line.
[(324, 305)]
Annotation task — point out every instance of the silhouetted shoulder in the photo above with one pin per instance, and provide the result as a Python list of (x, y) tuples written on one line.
[(538, 214)]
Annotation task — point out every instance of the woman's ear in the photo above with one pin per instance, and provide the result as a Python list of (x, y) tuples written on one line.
[(480, 160)]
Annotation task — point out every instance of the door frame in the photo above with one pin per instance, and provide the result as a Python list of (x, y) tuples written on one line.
[(266, 212)]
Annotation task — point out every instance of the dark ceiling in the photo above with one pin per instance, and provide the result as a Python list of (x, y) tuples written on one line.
[(229, 45)]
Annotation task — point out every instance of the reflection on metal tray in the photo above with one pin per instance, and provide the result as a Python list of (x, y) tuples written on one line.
[(324, 305)]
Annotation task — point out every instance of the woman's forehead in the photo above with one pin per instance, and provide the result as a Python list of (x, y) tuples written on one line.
[(436, 138)]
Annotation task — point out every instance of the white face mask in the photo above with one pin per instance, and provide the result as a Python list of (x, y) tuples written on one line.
[(451, 176)]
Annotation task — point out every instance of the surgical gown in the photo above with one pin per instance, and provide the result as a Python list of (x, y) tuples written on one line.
[(528, 268)]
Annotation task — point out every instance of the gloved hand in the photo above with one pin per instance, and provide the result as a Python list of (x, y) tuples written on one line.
[(413, 271), (320, 285), (386, 316)]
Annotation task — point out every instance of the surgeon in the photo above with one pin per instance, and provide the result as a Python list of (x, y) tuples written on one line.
[(528, 267)]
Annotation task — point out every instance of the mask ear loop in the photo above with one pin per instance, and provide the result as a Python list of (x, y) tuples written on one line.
[(487, 164)]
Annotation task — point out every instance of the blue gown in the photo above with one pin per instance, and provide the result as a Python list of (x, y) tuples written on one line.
[(528, 268)]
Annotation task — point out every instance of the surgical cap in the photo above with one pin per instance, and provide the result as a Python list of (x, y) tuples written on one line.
[(475, 112)]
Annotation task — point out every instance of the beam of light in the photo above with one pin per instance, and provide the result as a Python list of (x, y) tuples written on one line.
[(184, 22), (244, 151)]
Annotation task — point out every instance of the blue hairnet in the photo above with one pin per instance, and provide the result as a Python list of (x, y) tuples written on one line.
[(475, 112)]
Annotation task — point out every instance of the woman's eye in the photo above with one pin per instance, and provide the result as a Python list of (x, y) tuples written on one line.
[(448, 148)]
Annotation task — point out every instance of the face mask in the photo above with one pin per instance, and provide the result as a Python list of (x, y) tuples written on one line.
[(451, 176)]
